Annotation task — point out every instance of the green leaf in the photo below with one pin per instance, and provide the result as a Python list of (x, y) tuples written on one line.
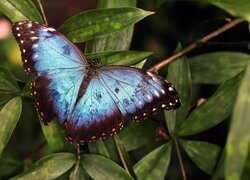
[(136, 135), (9, 163), (55, 135), (99, 22), (120, 40), (214, 110), (237, 146), (203, 154), (219, 172), (7, 81), (17, 10), (155, 164), (81, 174), (179, 76), (239, 8), (246, 172), (105, 148), (99, 167), (98, 147), (125, 58), (214, 68), (9, 116), (49, 167)]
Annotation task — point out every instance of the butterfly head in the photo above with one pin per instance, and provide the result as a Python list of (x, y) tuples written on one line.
[(94, 63)]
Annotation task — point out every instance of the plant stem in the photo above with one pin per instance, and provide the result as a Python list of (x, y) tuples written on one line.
[(42, 11), (120, 154), (78, 157), (183, 172), (196, 44), (11, 92)]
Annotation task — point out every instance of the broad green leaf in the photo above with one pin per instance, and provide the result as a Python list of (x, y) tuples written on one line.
[(155, 164), (9, 116), (120, 40), (203, 154), (7, 81), (99, 22), (214, 68), (237, 146), (136, 135), (219, 172), (179, 76), (214, 110), (99, 167), (246, 172), (125, 58), (55, 135), (98, 147), (105, 148), (49, 167), (17, 10), (9, 163), (239, 8)]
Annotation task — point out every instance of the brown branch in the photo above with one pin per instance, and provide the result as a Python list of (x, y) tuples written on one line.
[(183, 172), (11, 93), (196, 44), (42, 11), (121, 155), (76, 166)]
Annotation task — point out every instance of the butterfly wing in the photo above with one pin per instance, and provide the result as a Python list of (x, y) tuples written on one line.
[(116, 92), (138, 94), (96, 115), (59, 65)]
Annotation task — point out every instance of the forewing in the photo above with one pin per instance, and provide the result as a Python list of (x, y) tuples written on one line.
[(57, 62)]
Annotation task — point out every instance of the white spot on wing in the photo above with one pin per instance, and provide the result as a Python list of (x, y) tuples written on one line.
[(17, 28), (51, 29), (35, 46), (25, 60), (170, 104), (170, 89), (22, 41), (29, 25), (24, 50), (20, 23), (162, 91), (154, 109), (150, 74), (34, 38), (18, 35), (163, 105)]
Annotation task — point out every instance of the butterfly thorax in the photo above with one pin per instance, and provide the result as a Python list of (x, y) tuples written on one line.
[(90, 73)]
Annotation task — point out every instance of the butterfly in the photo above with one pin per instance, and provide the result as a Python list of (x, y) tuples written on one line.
[(91, 102)]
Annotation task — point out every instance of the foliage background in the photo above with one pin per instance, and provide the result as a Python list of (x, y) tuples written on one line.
[(213, 139)]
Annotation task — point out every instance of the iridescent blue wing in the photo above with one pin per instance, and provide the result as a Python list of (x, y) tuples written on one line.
[(96, 115), (116, 92), (59, 65), (138, 94)]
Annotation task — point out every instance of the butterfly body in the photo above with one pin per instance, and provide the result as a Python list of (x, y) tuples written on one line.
[(91, 102)]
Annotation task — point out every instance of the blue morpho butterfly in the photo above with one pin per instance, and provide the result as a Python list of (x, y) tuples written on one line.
[(91, 102)]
